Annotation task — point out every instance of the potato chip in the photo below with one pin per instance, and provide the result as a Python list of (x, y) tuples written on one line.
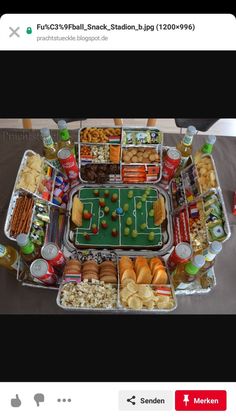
[(135, 302), (149, 304), (145, 292), (126, 281), (132, 287), (125, 294), (165, 305)]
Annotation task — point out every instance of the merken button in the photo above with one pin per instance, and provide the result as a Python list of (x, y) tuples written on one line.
[(200, 400)]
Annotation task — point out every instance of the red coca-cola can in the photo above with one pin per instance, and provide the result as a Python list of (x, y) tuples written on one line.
[(234, 204), (182, 253), (170, 164), (68, 162), (52, 253), (43, 271)]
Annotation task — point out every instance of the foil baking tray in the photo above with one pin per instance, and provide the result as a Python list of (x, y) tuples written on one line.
[(73, 234), (120, 309), (116, 177)]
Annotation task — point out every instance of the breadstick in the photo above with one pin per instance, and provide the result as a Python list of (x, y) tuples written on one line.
[(27, 215), (18, 215), (14, 215)]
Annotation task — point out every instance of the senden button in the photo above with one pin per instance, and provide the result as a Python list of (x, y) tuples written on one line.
[(145, 400)]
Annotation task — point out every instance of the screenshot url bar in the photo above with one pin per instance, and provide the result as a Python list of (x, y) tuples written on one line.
[(118, 32)]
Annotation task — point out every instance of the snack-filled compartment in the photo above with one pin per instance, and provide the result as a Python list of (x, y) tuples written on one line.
[(144, 155), (141, 164), (97, 135), (100, 162), (144, 284), (189, 226), (90, 282), (48, 225), (181, 226), (43, 181), (120, 217), (53, 186), (100, 173), (100, 153), (191, 184), (197, 226), (30, 172), (141, 136), (177, 192), (85, 295), (145, 173), (19, 215), (115, 155), (141, 155), (215, 216), (207, 174)]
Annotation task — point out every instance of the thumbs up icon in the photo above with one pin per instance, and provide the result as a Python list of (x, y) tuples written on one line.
[(15, 402)]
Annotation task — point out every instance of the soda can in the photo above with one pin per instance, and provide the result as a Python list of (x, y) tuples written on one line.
[(234, 204), (68, 162), (53, 254), (182, 253), (170, 164), (43, 271)]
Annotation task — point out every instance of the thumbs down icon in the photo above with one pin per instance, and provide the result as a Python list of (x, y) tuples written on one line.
[(39, 398)]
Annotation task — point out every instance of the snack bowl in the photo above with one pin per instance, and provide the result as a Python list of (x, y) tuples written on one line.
[(87, 296), (137, 290), (147, 298)]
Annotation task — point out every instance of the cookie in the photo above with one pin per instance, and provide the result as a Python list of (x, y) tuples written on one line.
[(90, 265), (112, 279)]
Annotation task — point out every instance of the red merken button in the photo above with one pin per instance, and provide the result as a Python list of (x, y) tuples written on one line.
[(200, 400)]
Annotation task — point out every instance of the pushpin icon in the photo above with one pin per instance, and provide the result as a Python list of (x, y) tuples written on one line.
[(186, 399), (29, 30), (39, 398)]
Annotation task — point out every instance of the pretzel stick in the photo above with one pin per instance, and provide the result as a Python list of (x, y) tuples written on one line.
[(27, 217), (25, 214), (14, 215), (17, 214), (20, 215)]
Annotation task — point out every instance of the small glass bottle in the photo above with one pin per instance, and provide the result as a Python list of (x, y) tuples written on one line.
[(210, 256), (186, 273), (8, 257), (50, 148), (65, 140), (29, 251), (207, 148), (184, 146)]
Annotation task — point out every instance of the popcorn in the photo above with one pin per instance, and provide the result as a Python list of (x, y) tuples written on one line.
[(94, 294)]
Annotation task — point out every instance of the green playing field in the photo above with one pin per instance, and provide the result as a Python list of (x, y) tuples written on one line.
[(142, 222)]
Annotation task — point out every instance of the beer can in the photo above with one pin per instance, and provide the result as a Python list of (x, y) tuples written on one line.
[(53, 254), (182, 253), (170, 164), (68, 162), (43, 271)]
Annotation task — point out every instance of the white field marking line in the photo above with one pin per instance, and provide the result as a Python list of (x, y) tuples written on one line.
[(84, 200), (91, 219), (154, 228)]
